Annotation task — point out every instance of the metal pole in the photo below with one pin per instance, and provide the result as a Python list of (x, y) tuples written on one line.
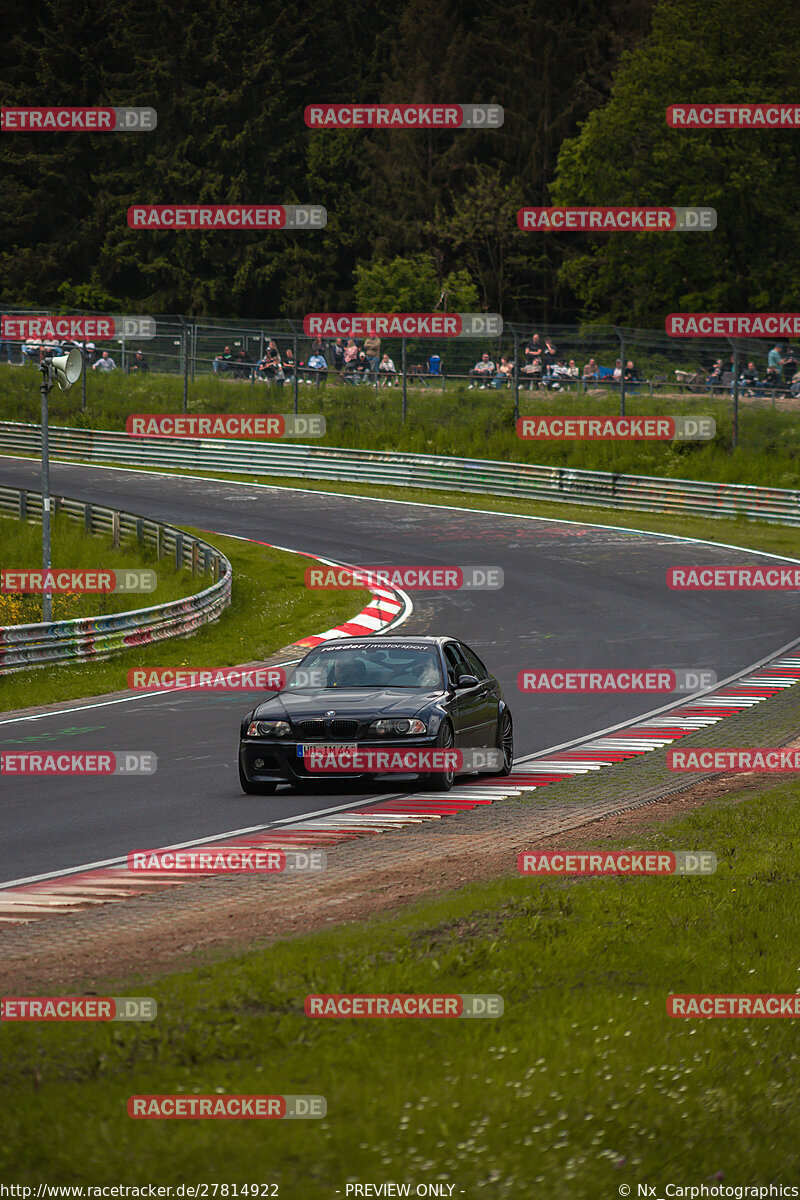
[(193, 343), (622, 375), (735, 437), (296, 374), (185, 370), (516, 378), (405, 390), (83, 378), (47, 597)]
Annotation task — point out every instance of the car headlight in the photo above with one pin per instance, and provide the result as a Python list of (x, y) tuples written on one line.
[(269, 729), (402, 725)]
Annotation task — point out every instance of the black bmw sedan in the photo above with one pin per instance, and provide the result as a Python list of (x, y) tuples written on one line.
[(359, 695)]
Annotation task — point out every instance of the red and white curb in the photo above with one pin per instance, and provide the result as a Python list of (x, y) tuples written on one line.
[(22, 903), (382, 611)]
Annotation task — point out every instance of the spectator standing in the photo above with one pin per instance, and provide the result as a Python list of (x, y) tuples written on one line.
[(533, 356), (549, 356), (139, 364), (288, 364), (350, 359), (105, 363), (372, 349), (338, 357)]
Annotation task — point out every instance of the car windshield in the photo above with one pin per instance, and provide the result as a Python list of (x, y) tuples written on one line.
[(368, 667)]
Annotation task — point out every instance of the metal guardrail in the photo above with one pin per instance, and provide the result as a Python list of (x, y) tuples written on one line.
[(642, 493), (94, 638)]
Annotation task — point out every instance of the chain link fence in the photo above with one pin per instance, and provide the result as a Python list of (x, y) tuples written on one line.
[(580, 360)]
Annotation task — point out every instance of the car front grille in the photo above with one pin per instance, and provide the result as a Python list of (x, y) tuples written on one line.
[(312, 729), (343, 729), (328, 730)]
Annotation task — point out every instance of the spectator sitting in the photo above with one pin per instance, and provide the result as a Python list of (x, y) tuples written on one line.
[(223, 362), (105, 363), (617, 376), (715, 377), (789, 365), (631, 374), (361, 368), (318, 365), (483, 369), (139, 363), (504, 372), (749, 376), (591, 371), (242, 365), (387, 368), (269, 363), (32, 350), (572, 369)]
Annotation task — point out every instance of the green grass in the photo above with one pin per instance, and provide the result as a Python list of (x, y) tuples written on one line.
[(73, 548), (584, 1084), (270, 607), (457, 422)]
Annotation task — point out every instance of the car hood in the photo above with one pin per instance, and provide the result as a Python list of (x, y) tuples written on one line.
[(349, 702)]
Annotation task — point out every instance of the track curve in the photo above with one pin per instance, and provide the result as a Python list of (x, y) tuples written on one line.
[(576, 595)]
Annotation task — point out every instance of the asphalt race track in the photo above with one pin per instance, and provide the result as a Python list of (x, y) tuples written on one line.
[(575, 596)]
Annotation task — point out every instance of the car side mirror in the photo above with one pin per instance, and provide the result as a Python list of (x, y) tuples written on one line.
[(466, 681)]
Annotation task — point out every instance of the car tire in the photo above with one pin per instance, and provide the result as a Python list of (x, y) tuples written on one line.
[(505, 744), (255, 789), (442, 781)]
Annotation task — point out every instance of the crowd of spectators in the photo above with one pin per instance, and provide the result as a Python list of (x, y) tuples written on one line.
[(33, 351), (542, 366)]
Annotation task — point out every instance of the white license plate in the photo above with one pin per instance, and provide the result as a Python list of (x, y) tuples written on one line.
[(309, 747)]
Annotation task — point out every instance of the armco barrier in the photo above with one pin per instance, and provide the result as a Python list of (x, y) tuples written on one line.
[(644, 493), (24, 646)]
